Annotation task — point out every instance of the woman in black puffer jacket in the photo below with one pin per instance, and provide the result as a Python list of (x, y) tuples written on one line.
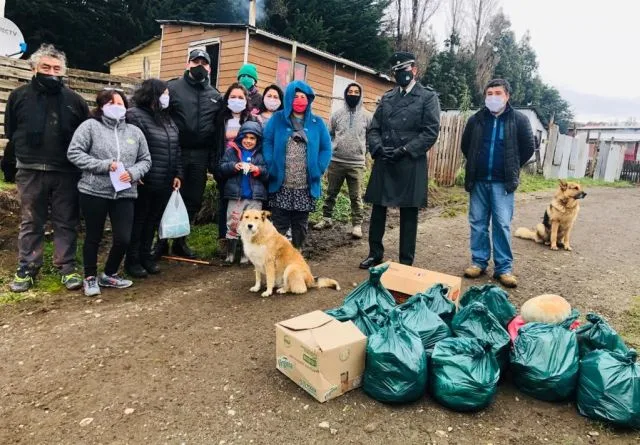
[(150, 114)]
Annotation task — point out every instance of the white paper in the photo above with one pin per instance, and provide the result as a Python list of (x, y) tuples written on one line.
[(245, 167), (115, 178)]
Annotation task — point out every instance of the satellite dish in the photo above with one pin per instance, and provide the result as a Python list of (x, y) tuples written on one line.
[(12, 42)]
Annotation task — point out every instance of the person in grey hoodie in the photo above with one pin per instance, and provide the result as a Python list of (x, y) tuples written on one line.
[(113, 156), (348, 130)]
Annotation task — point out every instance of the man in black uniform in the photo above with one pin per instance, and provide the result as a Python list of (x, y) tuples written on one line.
[(194, 105), (404, 127)]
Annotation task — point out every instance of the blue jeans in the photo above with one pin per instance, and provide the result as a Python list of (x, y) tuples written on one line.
[(489, 202)]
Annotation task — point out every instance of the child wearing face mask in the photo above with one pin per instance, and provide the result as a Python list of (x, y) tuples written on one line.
[(245, 173), (112, 156), (235, 113), (151, 115)]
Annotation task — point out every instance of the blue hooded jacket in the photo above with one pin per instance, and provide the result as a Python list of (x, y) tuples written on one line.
[(277, 134)]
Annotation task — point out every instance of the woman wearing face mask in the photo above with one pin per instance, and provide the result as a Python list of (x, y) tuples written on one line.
[(113, 156), (235, 113), (297, 149), (271, 102), (151, 115)]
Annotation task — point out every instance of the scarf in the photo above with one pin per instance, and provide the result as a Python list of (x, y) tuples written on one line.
[(38, 103), (298, 130)]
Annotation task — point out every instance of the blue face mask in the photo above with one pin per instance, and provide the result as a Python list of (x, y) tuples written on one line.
[(495, 103), (237, 105)]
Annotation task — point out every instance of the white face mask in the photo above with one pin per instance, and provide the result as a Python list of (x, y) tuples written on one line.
[(164, 101), (113, 111), (494, 103), (272, 103), (237, 105)]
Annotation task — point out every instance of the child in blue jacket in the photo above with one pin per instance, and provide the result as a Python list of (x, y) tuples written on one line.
[(245, 173)]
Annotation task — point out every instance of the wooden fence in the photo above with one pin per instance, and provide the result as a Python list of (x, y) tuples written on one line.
[(16, 72), (445, 157), (631, 171)]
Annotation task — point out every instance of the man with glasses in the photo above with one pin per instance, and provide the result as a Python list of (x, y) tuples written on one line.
[(404, 127), (194, 105), (40, 120)]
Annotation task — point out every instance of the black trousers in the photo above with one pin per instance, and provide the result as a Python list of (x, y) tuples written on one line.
[(95, 211), (408, 233), (149, 208), (297, 221), (194, 165)]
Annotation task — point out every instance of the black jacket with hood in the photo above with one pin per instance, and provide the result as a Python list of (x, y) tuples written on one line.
[(518, 146)]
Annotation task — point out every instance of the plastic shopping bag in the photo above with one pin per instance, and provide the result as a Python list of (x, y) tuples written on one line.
[(175, 219)]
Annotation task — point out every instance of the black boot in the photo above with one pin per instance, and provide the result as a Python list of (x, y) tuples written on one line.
[(160, 249), (181, 249), (135, 270), (150, 266), (232, 246)]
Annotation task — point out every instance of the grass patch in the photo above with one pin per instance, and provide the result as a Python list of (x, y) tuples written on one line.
[(631, 324), (533, 183), (204, 240), (5, 185)]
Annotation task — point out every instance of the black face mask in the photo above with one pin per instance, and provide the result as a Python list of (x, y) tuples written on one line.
[(352, 100), (403, 78), (198, 72), (49, 82)]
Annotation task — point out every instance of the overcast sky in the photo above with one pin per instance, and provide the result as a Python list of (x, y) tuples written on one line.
[(590, 51)]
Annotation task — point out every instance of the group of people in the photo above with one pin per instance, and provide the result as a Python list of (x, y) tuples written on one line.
[(265, 151)]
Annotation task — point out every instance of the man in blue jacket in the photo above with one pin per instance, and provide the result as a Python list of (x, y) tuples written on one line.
[(497, 141)]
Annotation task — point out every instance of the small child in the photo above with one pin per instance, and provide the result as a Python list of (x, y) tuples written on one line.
[(245, 173)]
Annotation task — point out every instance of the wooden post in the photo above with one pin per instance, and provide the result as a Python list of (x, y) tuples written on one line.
[(294, 52), (146, 68), (2, 4)]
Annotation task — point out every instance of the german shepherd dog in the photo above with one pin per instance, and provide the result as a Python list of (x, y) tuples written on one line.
[(273, 256), (559, 218)]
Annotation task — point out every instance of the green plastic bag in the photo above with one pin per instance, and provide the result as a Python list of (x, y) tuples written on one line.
[(476, 321), (374, 299), (609, 387), (463, 374), (598, 334), (363, 322), (396, 364), (437, 298), (494, 298), (544, 360), (417, 316)]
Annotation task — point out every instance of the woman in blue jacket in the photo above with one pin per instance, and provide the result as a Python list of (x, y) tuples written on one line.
[(297, 150)]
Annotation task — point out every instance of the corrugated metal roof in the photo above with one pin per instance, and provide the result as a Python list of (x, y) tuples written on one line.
[(285, 40)]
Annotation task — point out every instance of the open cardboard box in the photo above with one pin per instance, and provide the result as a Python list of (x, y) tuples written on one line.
[(322, 355), (405, 281)]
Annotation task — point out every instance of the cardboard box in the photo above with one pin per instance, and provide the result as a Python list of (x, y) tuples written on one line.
[(405, 281), (321, 354)]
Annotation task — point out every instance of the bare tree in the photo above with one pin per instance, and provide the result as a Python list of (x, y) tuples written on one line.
[(411, 19), (487, 56), (481, 12), (456, 16)]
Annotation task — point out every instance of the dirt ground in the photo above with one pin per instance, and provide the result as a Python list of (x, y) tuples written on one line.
[(188, 357)]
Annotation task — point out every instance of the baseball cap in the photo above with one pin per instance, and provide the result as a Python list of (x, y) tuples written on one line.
[(199, 53)]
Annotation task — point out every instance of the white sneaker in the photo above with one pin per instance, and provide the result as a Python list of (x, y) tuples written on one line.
[(114, 281), (91, 288), (356, 232)]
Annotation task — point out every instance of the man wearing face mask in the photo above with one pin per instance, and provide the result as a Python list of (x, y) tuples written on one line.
[(40, 120), (194, 106), (348, 129), (497, 141), (404, 127), (248, 78)]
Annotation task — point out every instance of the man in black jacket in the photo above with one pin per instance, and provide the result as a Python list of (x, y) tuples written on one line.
[(497, 141), (194, 106), (40, 120), (404, 127)]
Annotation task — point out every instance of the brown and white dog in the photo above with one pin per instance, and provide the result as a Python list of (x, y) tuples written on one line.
[(559, 218), (273, 255)]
